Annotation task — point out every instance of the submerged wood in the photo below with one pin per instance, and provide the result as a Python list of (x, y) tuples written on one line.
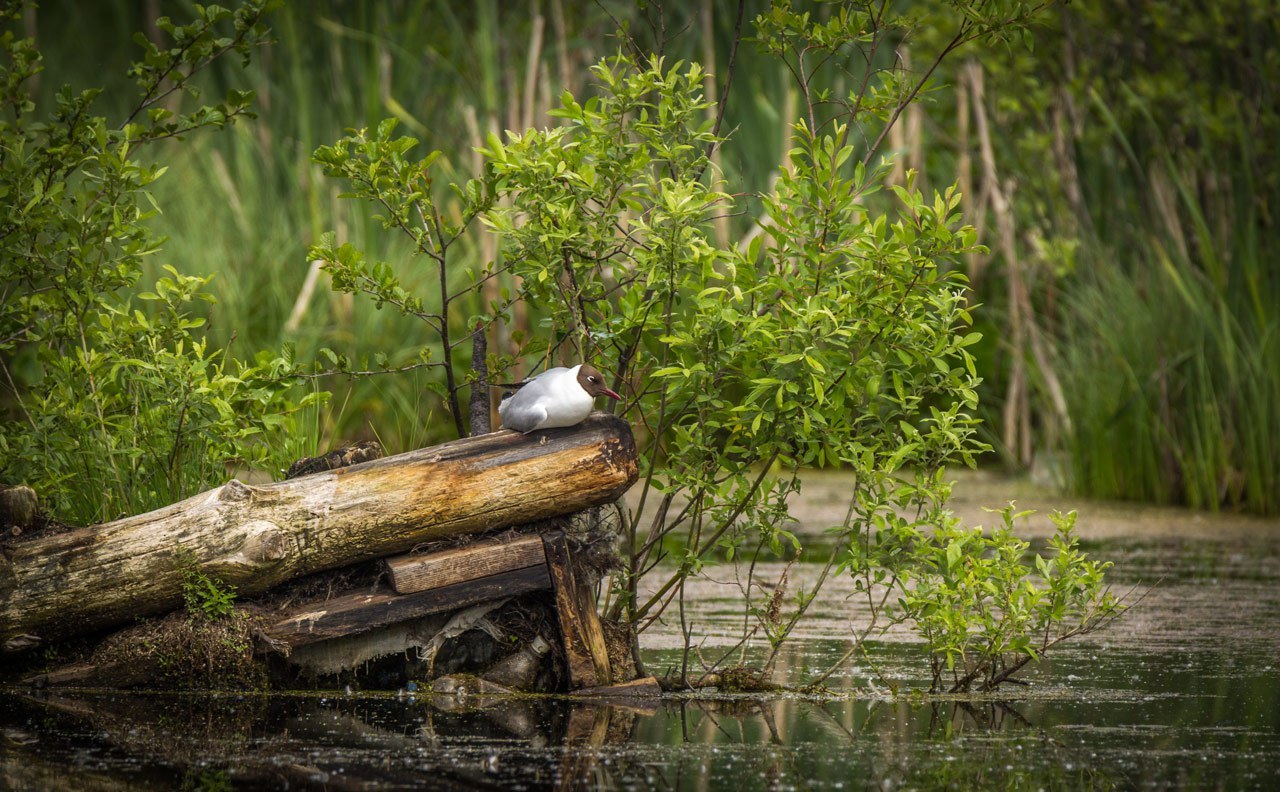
[(255, 537), (646, 687), (103, 675)]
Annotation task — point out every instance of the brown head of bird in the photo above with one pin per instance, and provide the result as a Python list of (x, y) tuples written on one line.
[(592, 381)]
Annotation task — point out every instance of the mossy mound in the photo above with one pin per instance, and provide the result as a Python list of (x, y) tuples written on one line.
[(743, 679), (187, 652)]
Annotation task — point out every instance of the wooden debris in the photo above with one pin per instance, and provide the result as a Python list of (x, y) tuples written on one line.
[(337, 458), (646, 687), (117, 675), (410, 573), (353, 656), (478, 405), (356, 613), (255, 537), (584, 645)]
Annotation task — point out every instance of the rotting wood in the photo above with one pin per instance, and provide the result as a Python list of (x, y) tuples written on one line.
[(18, 508), (337, 458), (119, 674), (255, 537), (478, 404), (584, 647), (411, 573), (356, 613), (314, 662)]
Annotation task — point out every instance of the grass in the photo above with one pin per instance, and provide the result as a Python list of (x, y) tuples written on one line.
[(1172, 344)]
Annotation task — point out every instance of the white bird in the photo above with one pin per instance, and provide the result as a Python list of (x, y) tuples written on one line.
[(556, 397)]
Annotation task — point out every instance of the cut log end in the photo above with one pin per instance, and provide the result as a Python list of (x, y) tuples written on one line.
[(18, 508)]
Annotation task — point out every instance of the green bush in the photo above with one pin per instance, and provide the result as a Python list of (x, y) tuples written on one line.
[(115, 403), (981, 608), (838, 335)]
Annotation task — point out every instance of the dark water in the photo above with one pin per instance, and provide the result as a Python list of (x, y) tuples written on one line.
[(1182, 693)]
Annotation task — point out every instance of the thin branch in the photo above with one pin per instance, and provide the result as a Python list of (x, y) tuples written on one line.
[(723, 99), (348, 372)]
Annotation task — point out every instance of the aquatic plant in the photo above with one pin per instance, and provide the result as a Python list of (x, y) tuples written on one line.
[(983, 609), (206, 597)]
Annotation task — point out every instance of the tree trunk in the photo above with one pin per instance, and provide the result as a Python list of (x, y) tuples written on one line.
[(255, 537)]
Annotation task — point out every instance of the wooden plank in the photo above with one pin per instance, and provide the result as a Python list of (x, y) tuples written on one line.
[(411, 573), (584, 646), (255, 537), (357, 613)]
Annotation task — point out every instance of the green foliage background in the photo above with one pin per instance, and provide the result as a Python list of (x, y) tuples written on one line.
[(1133, 137), (819, 319), (112, 409), (835, 335)]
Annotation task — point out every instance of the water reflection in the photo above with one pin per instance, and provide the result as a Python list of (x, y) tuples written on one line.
[(1183, 692), (1108, 730)]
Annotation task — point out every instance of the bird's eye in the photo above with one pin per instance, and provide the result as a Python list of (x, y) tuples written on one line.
[(591, 379)]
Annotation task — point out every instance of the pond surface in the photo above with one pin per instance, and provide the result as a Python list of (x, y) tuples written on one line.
[(1183, 692)]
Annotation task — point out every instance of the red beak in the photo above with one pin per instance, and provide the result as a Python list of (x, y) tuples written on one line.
[(612, 395)]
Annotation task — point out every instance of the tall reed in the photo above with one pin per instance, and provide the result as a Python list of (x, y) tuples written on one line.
[(1171, 348)]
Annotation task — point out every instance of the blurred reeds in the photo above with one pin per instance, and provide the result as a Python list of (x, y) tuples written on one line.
[(1125, 181), (1129, 301), (1171, 344)]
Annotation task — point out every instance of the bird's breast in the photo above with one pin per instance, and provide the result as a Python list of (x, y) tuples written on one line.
[(567, 408)]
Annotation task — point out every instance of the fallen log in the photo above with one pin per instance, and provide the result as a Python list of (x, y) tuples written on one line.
[(255, 537), (329, 634)]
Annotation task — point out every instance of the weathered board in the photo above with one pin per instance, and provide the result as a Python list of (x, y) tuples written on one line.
[(356, 613), (410, 573), (255, 537)]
